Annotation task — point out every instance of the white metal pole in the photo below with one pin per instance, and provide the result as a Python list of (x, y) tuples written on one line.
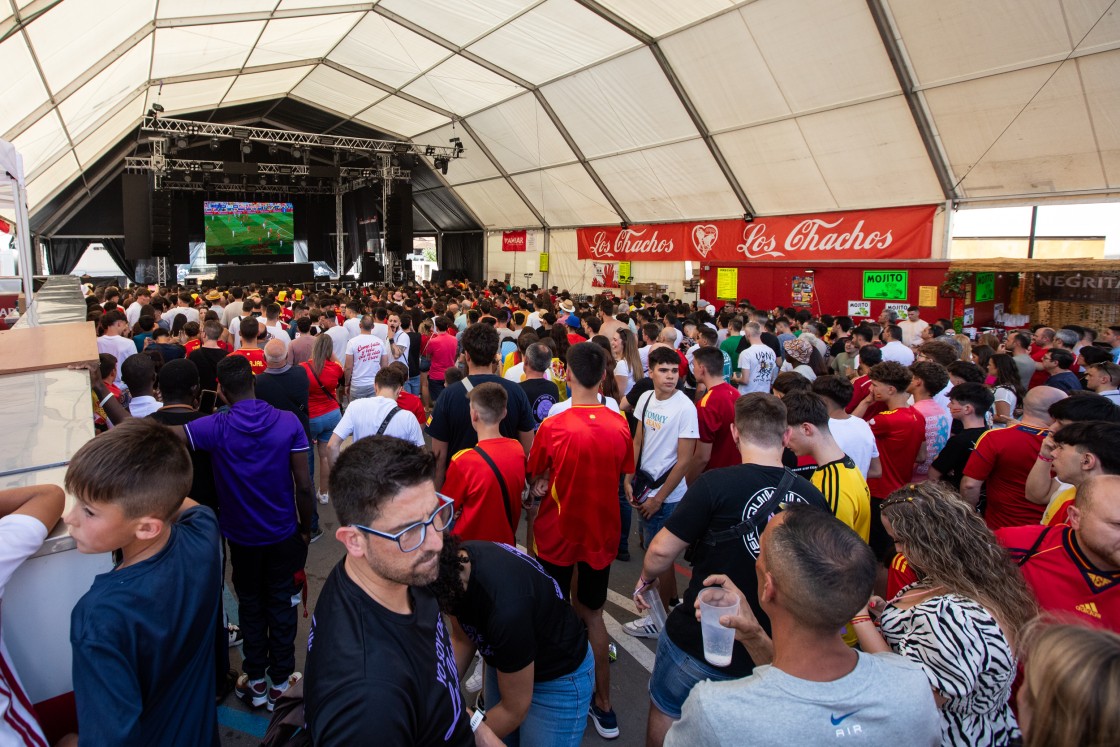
[(23, 241)]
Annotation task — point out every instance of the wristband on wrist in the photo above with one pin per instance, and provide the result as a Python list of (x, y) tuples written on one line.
[(1045, 459), (105, 399), (477, 718), (860, 619)]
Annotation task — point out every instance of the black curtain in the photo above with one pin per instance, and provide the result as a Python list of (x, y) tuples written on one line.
[(462, 252), (115, 247), (65, 253)]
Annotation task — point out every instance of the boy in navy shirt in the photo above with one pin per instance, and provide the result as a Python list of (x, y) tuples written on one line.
[(143, 635)]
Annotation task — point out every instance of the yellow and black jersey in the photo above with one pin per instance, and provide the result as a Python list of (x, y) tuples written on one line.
[(846, 491)]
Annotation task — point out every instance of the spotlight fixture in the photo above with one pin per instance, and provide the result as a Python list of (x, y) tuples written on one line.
[(181, 142), (430, 150), (207, 165), (215, 143), (441, 163), (157, 108), (225, 180), (748, 218), (246, 147), (296, 152), (624, 225), (272, 149), (188, 178), (458, 145)]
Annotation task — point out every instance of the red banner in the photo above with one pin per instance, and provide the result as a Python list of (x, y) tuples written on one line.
[(890, 233), (513, 241)]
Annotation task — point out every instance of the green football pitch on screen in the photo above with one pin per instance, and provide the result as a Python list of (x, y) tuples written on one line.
[(244, 229)]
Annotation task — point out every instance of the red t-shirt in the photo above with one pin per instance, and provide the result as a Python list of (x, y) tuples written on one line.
[(861, 386), (320, 402), (1062, 578), (900, 574), (190, 347), (256, 358), (1003, 458), (899, 434), (415, 405), (584, 449), (441, 349), (715, 414), (1038, 378), (478, 496)]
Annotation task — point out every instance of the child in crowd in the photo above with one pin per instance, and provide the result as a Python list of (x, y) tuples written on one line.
[(143, 635)]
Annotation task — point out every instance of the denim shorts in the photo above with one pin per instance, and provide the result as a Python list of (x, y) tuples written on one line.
[(557, 715), (675, 673), (651, 526), (323, 426)]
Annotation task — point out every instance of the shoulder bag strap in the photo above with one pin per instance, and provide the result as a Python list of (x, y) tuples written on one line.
[(311, 370), (467, 386), (1034, 548), (386, 421), (760, 517), (501, 484), (641, 424)]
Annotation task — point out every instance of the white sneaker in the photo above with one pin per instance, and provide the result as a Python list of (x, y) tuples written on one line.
[(643, 627), (474, 682), (324, 498)]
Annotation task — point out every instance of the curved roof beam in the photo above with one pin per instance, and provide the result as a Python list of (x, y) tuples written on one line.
[(682, 96), (498, 70), (915, 99)]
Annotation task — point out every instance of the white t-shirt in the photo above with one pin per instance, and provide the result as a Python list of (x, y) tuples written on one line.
[(20, 537), (534, 320), (364, 416), (912, 331), (516, 373), (132, 313), (279, 333), (806, 371), (401, 341), (622, 368), (353, 327), (759, 367), (560, 407), (339, 336), (1005, 394), (380, 329), (143, 406), (118, 347), (643, 353), (853, 435), (235, 329), (366, 351), (665, 422), (897, 352)]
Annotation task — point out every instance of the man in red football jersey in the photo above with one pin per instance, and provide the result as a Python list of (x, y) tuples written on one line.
[(1075, 569), (715, 413), (576, 460), (900, 436), (1003, 459)]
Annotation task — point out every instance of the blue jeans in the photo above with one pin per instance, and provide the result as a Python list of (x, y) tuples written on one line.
[(651, 526), (321, 429), (557, 715), (626, 512), (412, 386), (674, 675)]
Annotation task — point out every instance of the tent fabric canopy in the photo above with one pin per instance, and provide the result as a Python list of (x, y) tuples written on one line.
[(581, 112)]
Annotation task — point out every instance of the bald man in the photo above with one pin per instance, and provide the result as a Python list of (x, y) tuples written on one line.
[(1074, 569), (1002, 461)]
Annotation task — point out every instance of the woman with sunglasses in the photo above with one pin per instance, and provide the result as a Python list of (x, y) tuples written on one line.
[(962, 620)]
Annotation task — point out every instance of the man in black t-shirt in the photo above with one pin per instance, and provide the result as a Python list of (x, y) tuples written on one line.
[(380, 667), (451, 429), (206, 356), (539, 667), (969, 404), (718, 501), (541, 393)]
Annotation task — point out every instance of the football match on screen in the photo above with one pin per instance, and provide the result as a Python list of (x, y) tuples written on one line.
[(248, 228)]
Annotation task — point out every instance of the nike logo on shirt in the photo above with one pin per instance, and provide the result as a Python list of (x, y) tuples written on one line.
[(836, 721)]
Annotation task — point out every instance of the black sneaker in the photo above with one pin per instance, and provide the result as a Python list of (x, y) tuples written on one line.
[(316, 534), (234, 633), (623, 555), (605, 722)]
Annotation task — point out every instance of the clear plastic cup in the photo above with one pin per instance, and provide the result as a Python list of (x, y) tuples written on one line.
[(718, 640)]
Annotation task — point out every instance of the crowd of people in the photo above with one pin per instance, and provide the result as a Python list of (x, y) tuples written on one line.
[(920, 528)]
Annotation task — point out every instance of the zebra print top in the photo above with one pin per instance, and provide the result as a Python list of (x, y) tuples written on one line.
[(967, 659)]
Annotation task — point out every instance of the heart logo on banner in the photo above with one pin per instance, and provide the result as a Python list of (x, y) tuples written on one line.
[(704, 238)]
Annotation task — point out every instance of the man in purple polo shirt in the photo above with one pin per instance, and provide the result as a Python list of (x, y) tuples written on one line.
[(257, 452)]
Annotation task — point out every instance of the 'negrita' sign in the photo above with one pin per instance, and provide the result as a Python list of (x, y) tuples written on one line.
[(891, 233), (1085, 287)]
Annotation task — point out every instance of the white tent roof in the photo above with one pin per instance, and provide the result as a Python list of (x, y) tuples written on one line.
[(577, 112)]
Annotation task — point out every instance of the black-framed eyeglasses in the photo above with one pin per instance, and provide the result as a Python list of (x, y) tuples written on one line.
[(412, 537)]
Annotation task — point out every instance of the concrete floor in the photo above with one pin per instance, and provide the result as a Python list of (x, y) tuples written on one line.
[(242, 727)]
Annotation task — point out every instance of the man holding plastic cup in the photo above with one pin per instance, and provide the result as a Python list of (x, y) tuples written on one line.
[(810, 688), (722, 516)]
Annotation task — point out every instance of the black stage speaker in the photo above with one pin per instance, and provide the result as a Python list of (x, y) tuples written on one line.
[(161, 223), (137, 195), (372, 271), (399, 221), (279, 273)]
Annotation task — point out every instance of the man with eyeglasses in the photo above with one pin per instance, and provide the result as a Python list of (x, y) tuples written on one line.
[(380, 667)]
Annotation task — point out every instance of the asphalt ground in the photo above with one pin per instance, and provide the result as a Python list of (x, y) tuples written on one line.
[(240, 726)]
